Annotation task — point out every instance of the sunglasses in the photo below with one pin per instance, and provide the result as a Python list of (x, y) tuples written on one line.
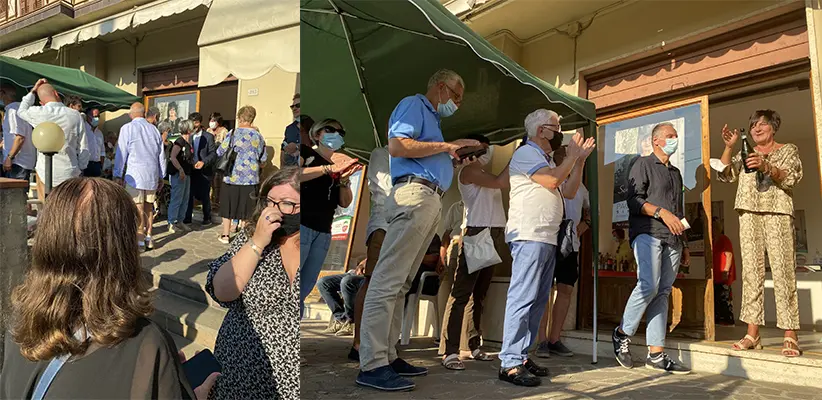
[(331, 129), (293, 106)]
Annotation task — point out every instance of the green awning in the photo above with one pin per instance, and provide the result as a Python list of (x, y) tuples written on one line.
[(396, 45), (94, 91)]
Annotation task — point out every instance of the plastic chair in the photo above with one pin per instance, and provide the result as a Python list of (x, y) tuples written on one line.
[(409, 314)]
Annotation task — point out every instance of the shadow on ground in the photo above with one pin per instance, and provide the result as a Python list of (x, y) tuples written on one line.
[(329, 375)]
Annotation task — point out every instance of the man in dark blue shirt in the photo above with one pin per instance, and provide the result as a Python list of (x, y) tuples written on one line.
[(656, 203), (290, 150)]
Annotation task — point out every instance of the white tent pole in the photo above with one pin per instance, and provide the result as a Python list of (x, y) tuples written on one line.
[(359, 72)]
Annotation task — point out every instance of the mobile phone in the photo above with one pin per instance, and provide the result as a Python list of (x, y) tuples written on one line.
[(470, 152), (199, 367)]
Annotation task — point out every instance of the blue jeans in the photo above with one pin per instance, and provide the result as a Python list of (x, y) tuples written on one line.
[(18, 172), (657, 266), (347, 285), (532, 275), (313, 249), (180, 190)]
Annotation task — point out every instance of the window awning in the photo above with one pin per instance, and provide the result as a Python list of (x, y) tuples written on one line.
[(248, 38), (124, 20)]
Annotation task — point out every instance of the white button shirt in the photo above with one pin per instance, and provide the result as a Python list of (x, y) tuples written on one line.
[(13, 126), (74, 155), (101, 144), (93, 146), (140, 146)]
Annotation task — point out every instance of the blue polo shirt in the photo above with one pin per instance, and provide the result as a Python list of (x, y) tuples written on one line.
[(415, 118)]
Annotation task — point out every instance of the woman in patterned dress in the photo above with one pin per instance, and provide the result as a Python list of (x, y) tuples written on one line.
[(258, 345), (764, 201), (241, 183)]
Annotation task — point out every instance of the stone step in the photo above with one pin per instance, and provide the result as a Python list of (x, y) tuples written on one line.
[(182, 287), (713, 358), (189, 319)]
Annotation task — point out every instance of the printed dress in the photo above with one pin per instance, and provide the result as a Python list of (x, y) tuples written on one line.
[(258, 345)]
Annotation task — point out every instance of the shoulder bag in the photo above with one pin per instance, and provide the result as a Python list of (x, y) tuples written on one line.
[(225, 164)]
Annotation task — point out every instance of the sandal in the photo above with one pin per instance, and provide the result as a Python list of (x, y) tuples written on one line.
[(480, 355), (790, 347), (453, 363), (755, 343)]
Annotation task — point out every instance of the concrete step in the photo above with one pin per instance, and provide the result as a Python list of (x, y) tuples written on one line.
[(189, 319), (713, 358), (183, 287)]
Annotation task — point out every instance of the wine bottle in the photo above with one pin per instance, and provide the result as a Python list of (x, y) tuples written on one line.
[(747, 150)]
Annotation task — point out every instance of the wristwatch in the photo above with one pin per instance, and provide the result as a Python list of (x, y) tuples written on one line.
[(656, 213)]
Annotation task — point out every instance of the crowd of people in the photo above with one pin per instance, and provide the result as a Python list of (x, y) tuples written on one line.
[(538, 241), (86, 280)]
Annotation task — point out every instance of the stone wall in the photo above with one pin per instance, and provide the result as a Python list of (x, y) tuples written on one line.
[(14, 253)]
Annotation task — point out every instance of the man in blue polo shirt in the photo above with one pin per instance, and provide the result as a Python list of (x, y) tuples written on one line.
[(421, 171)]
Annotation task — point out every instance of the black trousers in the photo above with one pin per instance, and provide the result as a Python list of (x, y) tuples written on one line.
[(200, 190)]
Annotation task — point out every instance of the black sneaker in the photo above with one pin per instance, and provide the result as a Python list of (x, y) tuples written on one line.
[(560, 349), (521, 377), (621, 350), (384, 378), (403, 368), (543, 350), (664, 363), (354, 355), (535, 369)]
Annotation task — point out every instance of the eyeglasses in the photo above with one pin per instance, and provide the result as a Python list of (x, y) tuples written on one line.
[(457, 96), (295, 106), (552, 126), (285, 207), (331, 129)]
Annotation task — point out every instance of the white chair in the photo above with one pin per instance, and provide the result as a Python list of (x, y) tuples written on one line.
[(409, 314)]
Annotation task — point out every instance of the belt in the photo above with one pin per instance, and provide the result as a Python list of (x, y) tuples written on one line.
[(424, 182)]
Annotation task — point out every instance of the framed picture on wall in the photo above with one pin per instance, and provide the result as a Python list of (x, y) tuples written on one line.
[(175, 107)]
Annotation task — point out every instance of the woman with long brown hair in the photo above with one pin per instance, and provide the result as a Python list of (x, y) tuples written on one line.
[(258, 344), (84, 305)]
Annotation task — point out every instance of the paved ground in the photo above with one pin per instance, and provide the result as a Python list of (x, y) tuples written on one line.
[(329, 375)]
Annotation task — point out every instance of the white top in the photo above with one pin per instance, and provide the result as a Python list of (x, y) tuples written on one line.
[(379, 184), (141, 147), (74, 155), (573, 210), (535, 211), (94, 149), (455, 220), (13, 126), (196, 144), (101, 143), (483, 206)]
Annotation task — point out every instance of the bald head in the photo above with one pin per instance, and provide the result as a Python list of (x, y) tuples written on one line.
[(137, 110), (47, 94)]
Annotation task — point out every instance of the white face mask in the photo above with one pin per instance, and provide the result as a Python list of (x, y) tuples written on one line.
[(212, 125)]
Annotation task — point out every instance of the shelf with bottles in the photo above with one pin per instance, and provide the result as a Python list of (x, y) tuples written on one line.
[(609, 267)]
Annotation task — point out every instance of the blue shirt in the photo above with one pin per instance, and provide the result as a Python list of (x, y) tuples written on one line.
[(292, 135), (415, 118)]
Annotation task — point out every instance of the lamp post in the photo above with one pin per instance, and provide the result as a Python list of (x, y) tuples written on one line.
[(48, 138)]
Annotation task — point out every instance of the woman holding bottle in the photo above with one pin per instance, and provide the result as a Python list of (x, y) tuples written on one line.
[(764, 201)]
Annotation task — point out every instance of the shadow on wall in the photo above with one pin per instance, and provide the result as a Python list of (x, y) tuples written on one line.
[(114, 125)]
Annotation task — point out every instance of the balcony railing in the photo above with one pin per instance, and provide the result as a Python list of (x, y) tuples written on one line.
[(11, 10)]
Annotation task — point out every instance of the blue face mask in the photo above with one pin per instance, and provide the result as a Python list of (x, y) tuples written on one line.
[(448, 109), (332, 140), (95, 121), (670, 146)]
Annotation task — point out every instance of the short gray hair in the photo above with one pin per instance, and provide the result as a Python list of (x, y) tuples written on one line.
[(538, 118), (446, 76), (657, 130), (164, 126), (186, 126), (152, 112), (322, 124)]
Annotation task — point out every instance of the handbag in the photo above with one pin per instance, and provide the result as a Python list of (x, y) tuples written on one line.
[(225, 165), (479, 251), (567, 232)]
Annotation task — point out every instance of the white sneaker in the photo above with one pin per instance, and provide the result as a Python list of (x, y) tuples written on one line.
[(223, 239), (171, 228)]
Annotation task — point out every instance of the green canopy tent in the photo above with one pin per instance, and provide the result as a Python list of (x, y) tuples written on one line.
[(361, 57), (94, 91)]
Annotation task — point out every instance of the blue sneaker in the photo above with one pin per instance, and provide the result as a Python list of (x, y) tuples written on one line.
[(384, 378), (403, 368)]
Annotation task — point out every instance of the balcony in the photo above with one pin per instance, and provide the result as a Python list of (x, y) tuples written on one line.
[(22, 21)]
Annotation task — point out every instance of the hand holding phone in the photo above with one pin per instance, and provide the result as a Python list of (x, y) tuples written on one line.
[(199, 367)]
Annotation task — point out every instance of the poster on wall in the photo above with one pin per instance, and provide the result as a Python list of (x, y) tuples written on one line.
[(695, 214), (175, 108), (342, 228)]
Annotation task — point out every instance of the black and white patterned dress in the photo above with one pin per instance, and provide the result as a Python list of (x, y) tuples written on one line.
[(258, 344)]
